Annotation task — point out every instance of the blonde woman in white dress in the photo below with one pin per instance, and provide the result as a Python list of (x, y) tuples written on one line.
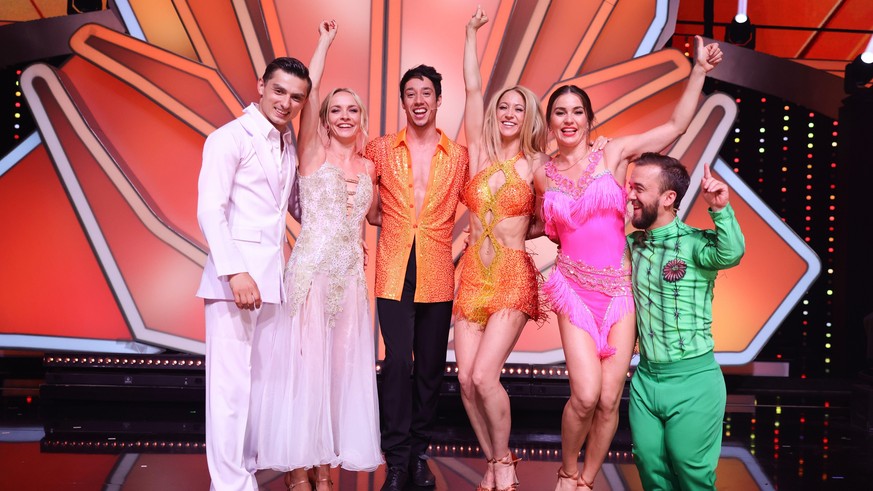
[(319, 406)]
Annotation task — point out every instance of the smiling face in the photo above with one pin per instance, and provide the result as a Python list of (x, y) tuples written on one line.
[(343, 118), (510, 114), (652, 207), (282, 97), (569, 121), (420, 102)]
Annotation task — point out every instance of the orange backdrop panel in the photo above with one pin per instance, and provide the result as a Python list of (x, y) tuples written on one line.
[(54, 286)]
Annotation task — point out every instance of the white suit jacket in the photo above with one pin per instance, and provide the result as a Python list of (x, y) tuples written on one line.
[(241, 206)]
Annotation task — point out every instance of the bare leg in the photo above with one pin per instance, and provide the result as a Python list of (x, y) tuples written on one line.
[(468, 337), (501, 334), (583, 366), (614, 376)]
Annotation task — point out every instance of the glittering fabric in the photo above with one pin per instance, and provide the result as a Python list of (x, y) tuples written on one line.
[(610, 281), (431, 229), (674, 312), (511, 280), (330, 237), (590, 283), (592, 298)]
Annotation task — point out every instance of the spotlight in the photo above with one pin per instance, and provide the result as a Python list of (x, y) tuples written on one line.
[(867, 55), (740, 32), (858, 74)]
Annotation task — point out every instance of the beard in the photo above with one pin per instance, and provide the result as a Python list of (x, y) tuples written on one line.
[(648, 215)]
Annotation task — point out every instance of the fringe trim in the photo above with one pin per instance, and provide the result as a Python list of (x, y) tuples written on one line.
[(564, 300), (603, 196)]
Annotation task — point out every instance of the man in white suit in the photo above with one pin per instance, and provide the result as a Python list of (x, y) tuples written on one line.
[(248, 172)]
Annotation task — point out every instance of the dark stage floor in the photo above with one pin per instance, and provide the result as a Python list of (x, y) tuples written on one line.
[(779, 433)]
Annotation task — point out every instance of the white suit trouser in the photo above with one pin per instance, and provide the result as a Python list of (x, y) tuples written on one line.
[(231, 365)]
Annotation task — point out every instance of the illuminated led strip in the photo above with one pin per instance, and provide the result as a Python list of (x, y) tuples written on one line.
[(790, 237), (26, 341)]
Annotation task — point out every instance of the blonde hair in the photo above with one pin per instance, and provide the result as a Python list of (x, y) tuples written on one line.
[(325, 108), (534, 130)]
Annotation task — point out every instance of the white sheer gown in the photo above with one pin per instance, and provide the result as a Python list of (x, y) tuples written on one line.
[(315, 401)]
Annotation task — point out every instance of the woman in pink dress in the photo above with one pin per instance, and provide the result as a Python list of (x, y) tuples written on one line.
[(584, 204)]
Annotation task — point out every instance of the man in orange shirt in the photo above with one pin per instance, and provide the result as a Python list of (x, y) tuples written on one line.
[(421, 175)]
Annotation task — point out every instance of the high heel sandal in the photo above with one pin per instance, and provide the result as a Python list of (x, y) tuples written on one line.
[(312, 473), (291, 485), (583, 482), (509, 460), (563, 477), (480, 487), (327, 480)]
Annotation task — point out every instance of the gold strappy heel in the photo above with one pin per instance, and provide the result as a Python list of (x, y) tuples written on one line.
[(563, 477), (291, 485), (509, 460), (583, 482), (480, 487)]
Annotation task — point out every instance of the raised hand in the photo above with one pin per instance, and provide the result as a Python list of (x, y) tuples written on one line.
[(715, 192), (478, 20), (327, 29), (707, 57)]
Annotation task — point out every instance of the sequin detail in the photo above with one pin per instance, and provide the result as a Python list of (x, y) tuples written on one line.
[(609, 280), (587, 218), (431, 230), (511, 280), (593, 299), (575, 189), (330, 237)]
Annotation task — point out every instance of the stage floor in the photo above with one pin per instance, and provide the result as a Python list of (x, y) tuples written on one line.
[(775, 437)]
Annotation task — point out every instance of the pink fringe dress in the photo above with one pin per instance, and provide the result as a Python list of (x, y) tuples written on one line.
[(589, 284)]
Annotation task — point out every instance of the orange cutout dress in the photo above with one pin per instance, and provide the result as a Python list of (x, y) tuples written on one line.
[(512, 280)]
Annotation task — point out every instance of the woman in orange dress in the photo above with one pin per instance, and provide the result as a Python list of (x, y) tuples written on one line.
[(498, 293)]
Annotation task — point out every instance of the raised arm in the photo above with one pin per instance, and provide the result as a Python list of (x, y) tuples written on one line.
[(730, 245), (474, 106), (626, 148), (309, 145)]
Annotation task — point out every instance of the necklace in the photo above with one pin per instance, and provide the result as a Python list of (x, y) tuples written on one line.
[(571, 165), (565, 184)]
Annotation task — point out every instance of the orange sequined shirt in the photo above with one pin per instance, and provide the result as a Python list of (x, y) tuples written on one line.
[(431, 230)]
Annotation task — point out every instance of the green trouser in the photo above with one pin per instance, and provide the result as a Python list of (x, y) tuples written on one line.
[(676, 413)]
